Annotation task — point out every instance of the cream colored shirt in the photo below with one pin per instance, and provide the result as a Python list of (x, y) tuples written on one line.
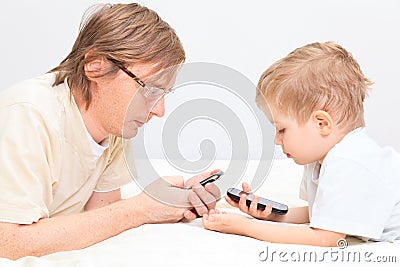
[(47, 165)]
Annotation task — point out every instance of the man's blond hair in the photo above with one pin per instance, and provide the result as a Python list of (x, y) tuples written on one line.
[(317, 76), (124, 34)]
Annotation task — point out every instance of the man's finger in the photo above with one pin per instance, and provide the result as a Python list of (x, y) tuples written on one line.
[(213, 190), (197, 204), (207, 198), (190, 216)]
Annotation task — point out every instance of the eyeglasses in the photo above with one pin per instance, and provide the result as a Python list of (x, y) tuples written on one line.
[(150, 92)]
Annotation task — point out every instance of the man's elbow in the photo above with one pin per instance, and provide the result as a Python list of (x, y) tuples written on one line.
[(10, 252), (12, 243)]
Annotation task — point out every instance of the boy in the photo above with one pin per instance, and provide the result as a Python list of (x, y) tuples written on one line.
[(315, 100)]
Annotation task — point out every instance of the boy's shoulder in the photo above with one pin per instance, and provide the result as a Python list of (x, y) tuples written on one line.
[(355, 142), (358, 148)]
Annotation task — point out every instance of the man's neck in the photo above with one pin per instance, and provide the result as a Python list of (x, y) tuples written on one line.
[(93, 127)]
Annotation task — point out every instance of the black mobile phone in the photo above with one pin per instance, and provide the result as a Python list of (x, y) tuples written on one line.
[(210, 179), (277, 207)]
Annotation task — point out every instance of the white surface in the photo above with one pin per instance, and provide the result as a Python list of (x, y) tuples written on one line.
[(247, 36), (189, 244)]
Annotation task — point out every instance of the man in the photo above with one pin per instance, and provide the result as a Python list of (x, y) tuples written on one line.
[(61, 151)]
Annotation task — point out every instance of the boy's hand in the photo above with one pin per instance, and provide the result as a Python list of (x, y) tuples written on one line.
[(252, 210), (228, 223)]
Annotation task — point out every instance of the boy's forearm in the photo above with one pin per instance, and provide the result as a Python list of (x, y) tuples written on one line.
[(295, 215), (292, 234), (70, 232)]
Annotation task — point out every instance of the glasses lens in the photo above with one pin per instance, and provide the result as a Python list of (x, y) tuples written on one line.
[(152, 93)]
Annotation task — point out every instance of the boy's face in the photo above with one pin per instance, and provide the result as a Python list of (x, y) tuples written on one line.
[(303, 143)]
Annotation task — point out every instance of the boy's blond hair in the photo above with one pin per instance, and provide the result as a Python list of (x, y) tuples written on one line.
[(317, 76)]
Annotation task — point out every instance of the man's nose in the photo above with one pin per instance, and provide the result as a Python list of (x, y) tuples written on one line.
[(158, 108)]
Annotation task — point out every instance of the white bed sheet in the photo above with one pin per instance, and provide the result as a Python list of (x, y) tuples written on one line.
[(188, 244)]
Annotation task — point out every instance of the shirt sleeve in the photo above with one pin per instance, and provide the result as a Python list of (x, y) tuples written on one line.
[(351, 199), (120, 169), (26, 184)]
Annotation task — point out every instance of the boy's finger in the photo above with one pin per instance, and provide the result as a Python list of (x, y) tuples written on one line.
[(242, 203), (246, 187), (253, 206), (231, 202)]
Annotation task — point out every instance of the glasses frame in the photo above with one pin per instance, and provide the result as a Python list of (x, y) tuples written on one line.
[(151, 92)]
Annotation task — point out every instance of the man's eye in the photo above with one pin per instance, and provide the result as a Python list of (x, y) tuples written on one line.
[(281, 131)]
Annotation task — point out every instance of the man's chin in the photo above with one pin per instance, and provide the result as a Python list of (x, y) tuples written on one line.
[(128, 134)]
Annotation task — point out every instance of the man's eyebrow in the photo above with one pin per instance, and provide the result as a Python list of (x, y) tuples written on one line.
[(158, 85)]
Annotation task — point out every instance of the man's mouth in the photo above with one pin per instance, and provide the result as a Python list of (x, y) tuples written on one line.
[(139, 124)]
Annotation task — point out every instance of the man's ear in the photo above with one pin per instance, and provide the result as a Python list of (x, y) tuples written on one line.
[(94, 67), (323, 121)]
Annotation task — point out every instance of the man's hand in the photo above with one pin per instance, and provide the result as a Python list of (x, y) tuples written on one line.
[(168, 199), (164, 201), (202, 198)]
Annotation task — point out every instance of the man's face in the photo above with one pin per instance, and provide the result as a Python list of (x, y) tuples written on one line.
[(122, 105)]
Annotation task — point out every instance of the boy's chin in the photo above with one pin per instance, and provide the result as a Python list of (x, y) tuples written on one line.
[(300, 161)]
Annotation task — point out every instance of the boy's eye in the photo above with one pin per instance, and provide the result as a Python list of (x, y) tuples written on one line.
[(281, 131)]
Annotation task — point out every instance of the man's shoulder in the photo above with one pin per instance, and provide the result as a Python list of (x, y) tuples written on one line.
[(36, 93)]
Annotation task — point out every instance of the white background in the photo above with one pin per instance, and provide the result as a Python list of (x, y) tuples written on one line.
[(245, 35)]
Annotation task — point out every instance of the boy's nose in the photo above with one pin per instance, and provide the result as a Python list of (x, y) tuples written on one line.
[(277, 140)]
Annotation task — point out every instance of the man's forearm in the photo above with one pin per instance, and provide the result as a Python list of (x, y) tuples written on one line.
[(70, 232)]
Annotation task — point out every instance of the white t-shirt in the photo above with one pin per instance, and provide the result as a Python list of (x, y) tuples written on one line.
[(98, 149), (356, 191)]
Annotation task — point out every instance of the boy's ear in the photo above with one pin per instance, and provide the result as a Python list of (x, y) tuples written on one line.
[(323, 121)]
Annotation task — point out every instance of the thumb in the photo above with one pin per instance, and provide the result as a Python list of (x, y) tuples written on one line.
[(174, 180)]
